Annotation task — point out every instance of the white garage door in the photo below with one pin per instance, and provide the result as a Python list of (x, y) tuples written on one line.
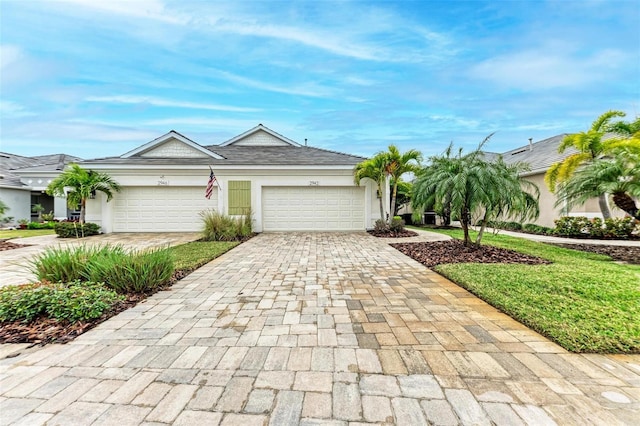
[(313, 208), (161, 209)]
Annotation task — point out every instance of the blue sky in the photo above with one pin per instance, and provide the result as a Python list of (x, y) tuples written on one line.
[(98, 78)]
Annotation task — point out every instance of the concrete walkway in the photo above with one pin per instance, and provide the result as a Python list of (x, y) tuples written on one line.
[(14, 264), (560, 240), (314, 329)]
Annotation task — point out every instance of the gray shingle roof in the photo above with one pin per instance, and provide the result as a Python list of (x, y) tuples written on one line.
[(539, 155), (45, 163), (249, 156)]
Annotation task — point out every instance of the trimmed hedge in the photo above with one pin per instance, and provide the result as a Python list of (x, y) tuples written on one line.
[(76, 229)]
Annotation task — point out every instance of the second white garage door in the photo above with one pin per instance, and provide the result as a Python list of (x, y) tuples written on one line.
[(161, 209), (313, 208)]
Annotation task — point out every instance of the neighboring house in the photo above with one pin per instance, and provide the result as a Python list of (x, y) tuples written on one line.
[(24, 179), (287, 186), (540, 156)]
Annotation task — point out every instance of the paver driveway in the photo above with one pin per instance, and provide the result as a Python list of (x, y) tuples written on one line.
[(315, 328)]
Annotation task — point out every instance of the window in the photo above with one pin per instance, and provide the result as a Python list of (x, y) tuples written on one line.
[(239, 196)]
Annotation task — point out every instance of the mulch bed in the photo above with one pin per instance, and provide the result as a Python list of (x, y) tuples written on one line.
[(45, 330), (619, 253), (435, 253), (405, 233), (8, 245)]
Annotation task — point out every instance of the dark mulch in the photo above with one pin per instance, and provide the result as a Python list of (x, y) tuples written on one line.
[(619, 253), (435, 253), (8, 245), (390, 234)]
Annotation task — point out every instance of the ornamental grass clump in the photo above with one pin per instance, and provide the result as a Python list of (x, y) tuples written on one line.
[(136, 272), (124, 271), (66, 264), (220, 227), (72, 302)]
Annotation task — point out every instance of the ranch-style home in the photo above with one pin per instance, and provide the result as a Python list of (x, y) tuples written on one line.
[(287, 186)]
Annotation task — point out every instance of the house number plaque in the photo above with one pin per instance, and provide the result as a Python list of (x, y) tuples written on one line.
[(163, 181), (314, 183)]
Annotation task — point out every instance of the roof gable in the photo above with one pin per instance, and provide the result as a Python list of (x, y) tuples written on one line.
[(260, 136), (171, 145)]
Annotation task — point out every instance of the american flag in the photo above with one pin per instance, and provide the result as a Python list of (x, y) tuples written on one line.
[(212, 179)]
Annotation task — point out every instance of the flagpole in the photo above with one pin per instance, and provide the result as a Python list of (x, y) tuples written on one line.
[(217, 181)]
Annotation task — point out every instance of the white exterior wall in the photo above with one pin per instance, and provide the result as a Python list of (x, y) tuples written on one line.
[(18, 201), (93, 210), (60, 208), (259, 178)]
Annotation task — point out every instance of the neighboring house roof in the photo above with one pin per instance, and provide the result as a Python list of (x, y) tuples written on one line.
[(259, 146), (539, 155), (10, 163)]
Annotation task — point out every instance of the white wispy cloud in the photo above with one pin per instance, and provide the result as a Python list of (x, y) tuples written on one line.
[(9, 109), (145, 9), (160, 102), (310, 89), (547, 68)]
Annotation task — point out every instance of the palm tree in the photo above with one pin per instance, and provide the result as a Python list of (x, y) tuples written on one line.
[(468, 183), (374, 169), (79, 184), (396, 165), (618, 176), (591, 145)]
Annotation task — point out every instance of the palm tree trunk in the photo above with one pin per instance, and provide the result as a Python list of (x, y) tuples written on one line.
[(604, 207), (393, 201), (464, 222), (625, 203), (83, 207), (482, 227), (381, 203)]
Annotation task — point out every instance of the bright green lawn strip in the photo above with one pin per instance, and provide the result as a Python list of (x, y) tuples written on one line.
[(583, 301), (23, 233), (192, 255)]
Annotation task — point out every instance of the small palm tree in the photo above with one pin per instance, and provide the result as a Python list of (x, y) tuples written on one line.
[(618, 176), (591, 145), (396, 165), (374, 169), (468, 183), (79, 184)]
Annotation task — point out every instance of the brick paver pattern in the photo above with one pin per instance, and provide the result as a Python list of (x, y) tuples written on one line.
[(315, 328)]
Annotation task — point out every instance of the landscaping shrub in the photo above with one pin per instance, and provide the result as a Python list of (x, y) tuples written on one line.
[(572, 226), (134, 272), (220, 227), (397, 224), (532, 228), (381, 226), (498, 224), (75, 301), (619, 228), (582, 227), (512, 226), (66, 264), (43, 225), (76, 229)]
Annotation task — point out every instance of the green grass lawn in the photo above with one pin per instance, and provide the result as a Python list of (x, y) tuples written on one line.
[(582, 301), (23, 233), (192, 255)]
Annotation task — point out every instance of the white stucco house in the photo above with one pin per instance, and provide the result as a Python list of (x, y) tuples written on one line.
[(288, 186), (23, 181)]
